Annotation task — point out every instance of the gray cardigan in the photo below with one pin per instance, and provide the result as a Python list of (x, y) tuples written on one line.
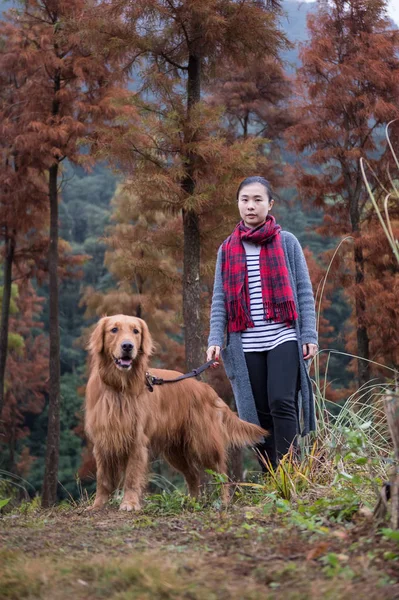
[(305, 326)]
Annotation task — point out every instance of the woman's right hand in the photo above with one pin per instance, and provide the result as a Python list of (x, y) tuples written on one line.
[(213, 352)]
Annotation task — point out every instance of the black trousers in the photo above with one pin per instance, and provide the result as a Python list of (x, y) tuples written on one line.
[(274, 377)]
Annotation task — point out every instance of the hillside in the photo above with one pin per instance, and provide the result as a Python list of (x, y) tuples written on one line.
[(169, 552)]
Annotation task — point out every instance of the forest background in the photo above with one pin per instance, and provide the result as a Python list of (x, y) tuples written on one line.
[(118, 254)]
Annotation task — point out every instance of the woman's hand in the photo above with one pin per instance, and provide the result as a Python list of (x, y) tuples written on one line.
[(213, 352), (309, 351)]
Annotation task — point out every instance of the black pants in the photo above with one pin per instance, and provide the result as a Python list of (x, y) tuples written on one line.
[(274, 381)]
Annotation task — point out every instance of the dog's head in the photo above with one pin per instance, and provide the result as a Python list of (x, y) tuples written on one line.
[(121, 339)]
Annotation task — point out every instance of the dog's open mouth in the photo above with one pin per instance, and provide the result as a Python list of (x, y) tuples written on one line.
[(123, 363)]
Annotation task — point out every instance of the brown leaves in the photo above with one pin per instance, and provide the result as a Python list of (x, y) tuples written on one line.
[(318, 550)]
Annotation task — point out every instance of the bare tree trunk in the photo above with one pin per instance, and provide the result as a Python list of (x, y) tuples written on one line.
[(192, 245), (49, 494), (392, 411), (236, 467), (191, 290), (245, 126), (5, 311), (140, 288), (360, 300), (12, 442), (361, 329)]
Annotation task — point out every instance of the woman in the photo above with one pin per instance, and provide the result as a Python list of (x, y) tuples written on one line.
[(263, 296)]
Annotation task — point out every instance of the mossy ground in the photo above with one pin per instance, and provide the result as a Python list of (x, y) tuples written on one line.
[(193, 552)]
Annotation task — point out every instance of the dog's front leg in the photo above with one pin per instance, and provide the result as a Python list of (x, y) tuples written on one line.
[(104, 482), (136, 471)]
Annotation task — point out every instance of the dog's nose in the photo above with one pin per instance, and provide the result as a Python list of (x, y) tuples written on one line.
[(127, 346)]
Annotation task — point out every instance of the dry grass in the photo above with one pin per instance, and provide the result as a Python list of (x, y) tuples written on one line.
[(251, 551)]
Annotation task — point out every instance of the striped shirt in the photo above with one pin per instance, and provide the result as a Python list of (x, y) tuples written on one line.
[(266, 335)]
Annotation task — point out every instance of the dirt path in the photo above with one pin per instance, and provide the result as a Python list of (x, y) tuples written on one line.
[(240, 553)]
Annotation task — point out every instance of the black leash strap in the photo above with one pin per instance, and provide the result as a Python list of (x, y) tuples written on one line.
[(151, 380)]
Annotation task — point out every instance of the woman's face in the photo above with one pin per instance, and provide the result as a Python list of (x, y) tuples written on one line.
[(254, 204)]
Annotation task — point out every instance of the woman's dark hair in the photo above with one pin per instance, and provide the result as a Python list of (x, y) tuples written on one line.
[(256, 179)]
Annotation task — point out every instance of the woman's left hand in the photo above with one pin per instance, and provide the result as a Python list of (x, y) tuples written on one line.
[(309, 351)]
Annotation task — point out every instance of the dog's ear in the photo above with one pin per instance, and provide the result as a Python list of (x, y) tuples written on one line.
[(96, 341), (147, 345)]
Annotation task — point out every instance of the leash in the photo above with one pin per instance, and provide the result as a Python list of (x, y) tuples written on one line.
[(151, 380)]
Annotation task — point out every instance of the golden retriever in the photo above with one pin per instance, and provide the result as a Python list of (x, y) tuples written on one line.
[(186, 422)]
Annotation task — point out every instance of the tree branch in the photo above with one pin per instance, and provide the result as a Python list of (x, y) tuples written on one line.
[(173, 63)]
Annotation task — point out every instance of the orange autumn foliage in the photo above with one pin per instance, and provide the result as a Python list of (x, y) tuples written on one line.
[(347, 89)]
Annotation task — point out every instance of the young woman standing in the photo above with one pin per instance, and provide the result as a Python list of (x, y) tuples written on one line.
[(263, 299)]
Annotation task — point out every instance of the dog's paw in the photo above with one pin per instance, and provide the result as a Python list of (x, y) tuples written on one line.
[(129, 506), (94, 508)]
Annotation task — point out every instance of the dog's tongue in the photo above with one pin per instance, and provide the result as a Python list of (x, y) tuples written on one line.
[(125, 362)]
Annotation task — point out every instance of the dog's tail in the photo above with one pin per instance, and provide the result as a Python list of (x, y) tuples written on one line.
[(238, 432)]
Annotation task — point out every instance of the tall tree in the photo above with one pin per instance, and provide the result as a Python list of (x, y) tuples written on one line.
[(348, 87), (182, 54), (381, 288), (254, 96), (23, 201), (67, 91)]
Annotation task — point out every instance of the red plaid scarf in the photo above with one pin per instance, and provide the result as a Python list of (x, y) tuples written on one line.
[(278, 299)]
